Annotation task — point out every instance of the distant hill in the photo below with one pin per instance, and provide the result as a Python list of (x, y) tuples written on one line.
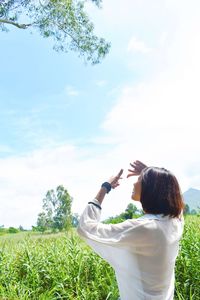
[(192, 198)]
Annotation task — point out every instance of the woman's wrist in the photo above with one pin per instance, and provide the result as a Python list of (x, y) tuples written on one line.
[(107, 186), (101, 194)]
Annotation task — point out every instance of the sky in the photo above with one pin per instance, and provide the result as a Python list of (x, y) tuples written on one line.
[(65, 122)]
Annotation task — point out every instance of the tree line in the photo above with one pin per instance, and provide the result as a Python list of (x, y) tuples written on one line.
[(188, 211), (56, 214)]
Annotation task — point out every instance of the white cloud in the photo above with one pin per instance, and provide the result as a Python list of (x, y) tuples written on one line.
[(122, 13), (136, 45), (158, 119), (71, 91), (101, 83), (5, 149), (25, 180), (163, 38)]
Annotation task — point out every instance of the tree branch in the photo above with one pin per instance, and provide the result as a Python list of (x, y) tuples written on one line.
[(21, 26)]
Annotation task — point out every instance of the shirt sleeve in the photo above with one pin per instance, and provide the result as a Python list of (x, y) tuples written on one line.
[(108, 239)]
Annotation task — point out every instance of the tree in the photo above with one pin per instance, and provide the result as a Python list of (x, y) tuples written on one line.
[(75, 220), (186, 210), (56, 210), (21, 228), (65, 21), (130, 211), (12, 230), (2, 229), (42, 223)]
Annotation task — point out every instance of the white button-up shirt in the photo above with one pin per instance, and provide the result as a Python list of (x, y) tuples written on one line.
[(141, 251)]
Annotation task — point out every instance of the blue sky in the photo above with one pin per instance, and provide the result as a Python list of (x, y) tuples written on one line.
[(48, 94), (64, 122)]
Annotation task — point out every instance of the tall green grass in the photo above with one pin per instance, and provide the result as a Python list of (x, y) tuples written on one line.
[(62, 267), (188, 261), (53, 267)]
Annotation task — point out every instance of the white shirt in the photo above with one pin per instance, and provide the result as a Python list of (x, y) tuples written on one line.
[(141, 251)]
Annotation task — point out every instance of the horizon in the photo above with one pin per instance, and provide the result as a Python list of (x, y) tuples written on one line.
[(131, 201)]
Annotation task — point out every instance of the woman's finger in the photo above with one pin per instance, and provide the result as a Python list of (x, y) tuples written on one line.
[(138, 167), (135, 167), (115, 185), (132, 165), (140, 164), (132, 171), (129, 175), (120, 173)]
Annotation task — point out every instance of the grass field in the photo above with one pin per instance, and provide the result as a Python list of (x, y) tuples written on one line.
[(61, 266)]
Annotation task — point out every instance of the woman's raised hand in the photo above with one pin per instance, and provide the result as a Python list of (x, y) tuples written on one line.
[(137, 167), (114, 180)]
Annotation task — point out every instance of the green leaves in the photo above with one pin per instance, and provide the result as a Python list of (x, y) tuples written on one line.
[(64, 21), (56, 210), (188, 261), (54, 267), (131, 212)]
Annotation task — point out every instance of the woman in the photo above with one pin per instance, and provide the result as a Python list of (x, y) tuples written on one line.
[(142, 251)]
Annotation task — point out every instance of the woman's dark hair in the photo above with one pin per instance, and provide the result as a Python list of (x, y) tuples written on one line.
[(160, 192)]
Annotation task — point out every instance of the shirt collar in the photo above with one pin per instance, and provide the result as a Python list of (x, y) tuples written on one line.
[(154, 217)]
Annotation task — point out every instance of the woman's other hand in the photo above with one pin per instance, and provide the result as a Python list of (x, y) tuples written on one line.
[(114, 180)]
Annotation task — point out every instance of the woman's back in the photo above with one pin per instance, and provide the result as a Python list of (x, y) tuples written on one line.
[(141, 251), (147, 271)]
